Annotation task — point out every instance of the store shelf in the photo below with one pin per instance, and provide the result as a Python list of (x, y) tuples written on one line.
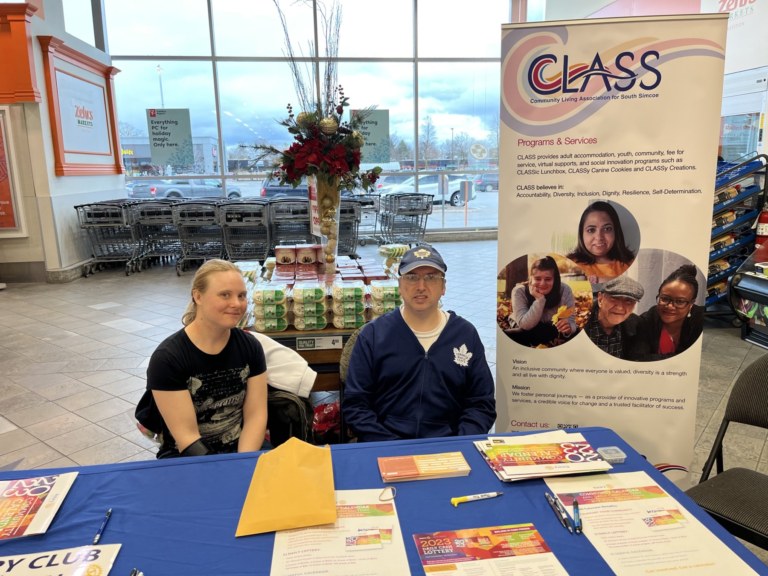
[(742, 242), (745, 194), (746, 218), (747, 182)]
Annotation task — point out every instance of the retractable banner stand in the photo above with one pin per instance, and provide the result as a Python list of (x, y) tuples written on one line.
[(609, 134)]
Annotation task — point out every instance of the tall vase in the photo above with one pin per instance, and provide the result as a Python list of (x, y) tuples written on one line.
[(329, 208)]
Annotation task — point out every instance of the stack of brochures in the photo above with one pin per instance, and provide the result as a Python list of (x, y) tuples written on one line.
[(554, 453), (423, 466)]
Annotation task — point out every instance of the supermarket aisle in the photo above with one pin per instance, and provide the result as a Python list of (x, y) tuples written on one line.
[(73, 359)]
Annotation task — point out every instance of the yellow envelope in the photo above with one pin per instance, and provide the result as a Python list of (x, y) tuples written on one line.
[(292, 487)]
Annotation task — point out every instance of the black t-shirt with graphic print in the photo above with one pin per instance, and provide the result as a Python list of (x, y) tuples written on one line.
[(216, 382)]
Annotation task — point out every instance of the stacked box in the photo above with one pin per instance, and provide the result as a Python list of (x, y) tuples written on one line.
[(348, 296), (309, 308), (385, 296), (270, 307)]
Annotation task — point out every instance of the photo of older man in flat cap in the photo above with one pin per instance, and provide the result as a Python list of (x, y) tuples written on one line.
[(612, 324)]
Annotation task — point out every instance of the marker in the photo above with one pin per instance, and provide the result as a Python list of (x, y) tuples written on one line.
[(459, 499), (101, 528), (559, 513), (576, 517)]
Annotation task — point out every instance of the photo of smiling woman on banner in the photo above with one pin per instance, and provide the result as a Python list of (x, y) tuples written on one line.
[(545, 304), (604, 250)]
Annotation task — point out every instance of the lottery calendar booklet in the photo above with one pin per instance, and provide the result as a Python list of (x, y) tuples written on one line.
[(365, 539), (552, 453), (510, 549), (28, 505)]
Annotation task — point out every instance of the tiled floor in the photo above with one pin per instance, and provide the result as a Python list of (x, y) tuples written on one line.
[(73, 359)]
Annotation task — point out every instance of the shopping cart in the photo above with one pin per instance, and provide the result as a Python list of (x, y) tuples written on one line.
[(289, 222), (349, 224), (158, 235), (245, 229), (369, 218), (403, 217), (199, 231), (112, 233)]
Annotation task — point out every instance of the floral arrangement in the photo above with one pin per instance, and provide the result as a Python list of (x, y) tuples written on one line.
[(325, 146)]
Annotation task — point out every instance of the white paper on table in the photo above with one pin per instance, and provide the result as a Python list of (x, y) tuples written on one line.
[(82, 561), (365, 541), (516, 549), (640, 529)]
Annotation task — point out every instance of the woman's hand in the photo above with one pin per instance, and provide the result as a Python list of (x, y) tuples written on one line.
[(563, 326), (535, 292)]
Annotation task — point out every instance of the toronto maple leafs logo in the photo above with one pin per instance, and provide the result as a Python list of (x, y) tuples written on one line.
[(461, 355)]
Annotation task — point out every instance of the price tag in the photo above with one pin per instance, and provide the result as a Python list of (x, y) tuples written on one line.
[(319, 342)]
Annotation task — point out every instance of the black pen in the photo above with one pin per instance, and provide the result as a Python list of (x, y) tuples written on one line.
[(559, 513), (564, 514), (576, 517), (101, 528)]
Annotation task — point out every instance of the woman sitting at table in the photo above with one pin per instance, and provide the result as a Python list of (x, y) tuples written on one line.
[(209, 379), (674, 323)]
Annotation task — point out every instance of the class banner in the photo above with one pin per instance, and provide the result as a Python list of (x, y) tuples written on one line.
[(609, 135)]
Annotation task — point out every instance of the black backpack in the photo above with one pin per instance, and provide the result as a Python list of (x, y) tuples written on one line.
[(287, 415)]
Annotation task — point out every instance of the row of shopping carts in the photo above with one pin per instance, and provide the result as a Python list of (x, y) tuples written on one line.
[(141, 232)]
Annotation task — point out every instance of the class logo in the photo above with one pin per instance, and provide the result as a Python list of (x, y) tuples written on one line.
[(549, 74)]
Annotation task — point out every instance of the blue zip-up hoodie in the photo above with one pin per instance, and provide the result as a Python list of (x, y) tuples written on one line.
[(395, 390)]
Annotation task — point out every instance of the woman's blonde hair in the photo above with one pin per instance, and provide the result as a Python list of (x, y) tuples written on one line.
[(200, 283)]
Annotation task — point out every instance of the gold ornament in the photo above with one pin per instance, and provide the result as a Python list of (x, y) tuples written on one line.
[(329, 126), (303, 119), (356, 140)]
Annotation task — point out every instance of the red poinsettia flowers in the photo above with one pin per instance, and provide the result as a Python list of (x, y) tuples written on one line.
[(324, 146)]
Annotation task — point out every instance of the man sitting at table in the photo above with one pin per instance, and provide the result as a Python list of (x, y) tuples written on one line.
[(419, 371)]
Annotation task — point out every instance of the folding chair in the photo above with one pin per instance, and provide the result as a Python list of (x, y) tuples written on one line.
[(736, 497), (346, 354)]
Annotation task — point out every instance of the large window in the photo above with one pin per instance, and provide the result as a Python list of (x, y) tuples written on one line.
[(431, 67)]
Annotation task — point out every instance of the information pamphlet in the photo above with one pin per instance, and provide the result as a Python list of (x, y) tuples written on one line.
[(640, 529), (423, 466), (540, 455), (511, 549), (83, 561), (365, 539), (28, 505)]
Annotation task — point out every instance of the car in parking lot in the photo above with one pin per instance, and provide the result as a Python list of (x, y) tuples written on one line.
[(272, 188), (487, 182), (389, 180), (430, 184), (188, 188)]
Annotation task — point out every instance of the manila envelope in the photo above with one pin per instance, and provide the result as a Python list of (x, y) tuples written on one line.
[(292, 487)]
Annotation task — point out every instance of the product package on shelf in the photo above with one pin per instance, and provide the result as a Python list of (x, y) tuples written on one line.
[(385, 296), (348, 304), (309, 305), (269, 268), (392, 254), (285, 254), (269, 309), (251, 270)]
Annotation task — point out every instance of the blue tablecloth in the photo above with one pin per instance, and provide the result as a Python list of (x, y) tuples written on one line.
[(179, 516)]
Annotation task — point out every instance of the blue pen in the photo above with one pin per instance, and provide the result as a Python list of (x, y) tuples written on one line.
[(107, 516), (576, 517)]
